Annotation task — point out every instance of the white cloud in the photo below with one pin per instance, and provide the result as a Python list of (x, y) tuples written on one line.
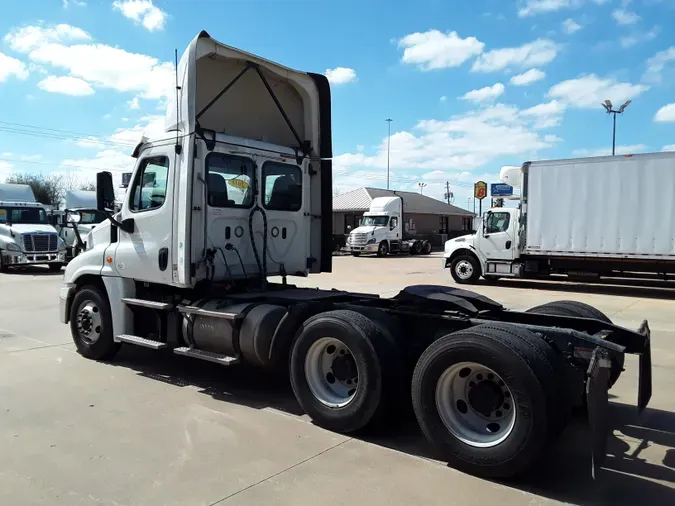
[(444, 98), (99, 64), (624, 17), (341, 75), (620, 150), (133, 104), (666, 114), (436, 50), (528, 77), (66, 85), (6, 170), (639, 36), (142, 12), (11, 67), (545, 115), (533, 7), (669, 147), (657, 64), (590, 90), (570, 26), (539, 52), (484, 94), (75, 3), (28, 38)]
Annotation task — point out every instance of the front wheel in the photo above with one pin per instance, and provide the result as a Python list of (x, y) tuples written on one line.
[(91, 324), (383, 249), (465, 269)]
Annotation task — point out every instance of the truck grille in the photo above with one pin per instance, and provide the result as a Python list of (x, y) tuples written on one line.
[(359, 239), (40, 243)]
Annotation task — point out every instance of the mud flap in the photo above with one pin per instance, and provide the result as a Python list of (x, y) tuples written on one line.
[(645, 378), (597, 385)]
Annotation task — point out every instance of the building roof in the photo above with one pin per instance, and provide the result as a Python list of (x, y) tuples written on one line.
[(359, 201)]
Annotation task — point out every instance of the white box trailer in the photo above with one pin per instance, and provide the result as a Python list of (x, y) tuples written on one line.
[(610, 207), (603, 216)]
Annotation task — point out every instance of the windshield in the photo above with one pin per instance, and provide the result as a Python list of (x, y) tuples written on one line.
[(23, 215), (375, 221)]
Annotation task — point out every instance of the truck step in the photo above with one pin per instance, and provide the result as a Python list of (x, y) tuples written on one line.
[(206, 355), (197, 311), (152, 304), (141, 341)]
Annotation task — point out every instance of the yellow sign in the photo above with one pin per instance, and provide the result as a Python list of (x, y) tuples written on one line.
[(480, 190), (3, 215), (238, 183)]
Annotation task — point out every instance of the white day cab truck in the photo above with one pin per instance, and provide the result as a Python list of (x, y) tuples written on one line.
[(583, 218), (26, 237), (382, 231), (238, 189)]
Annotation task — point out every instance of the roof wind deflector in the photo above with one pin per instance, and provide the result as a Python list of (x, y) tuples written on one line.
[(303, 146)]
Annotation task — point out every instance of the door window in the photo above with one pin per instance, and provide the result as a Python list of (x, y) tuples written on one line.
[(497, 222), (229, 180), (393, 223), (282, 187), (149, 189)]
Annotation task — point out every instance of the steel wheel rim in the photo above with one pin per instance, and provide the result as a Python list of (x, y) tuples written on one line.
[(331, 372), (89, 325), (464, 269), (383, 249), (458, 404)]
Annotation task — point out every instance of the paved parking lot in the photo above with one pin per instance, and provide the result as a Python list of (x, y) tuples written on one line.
[(151, 430)]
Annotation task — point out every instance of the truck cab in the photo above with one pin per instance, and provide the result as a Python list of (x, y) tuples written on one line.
[(78, 219), (26, 236), (380, 225)]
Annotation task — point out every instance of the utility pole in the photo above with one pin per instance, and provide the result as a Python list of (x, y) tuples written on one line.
[(388, 120), (447, 192), (608, 107), (421, 185)]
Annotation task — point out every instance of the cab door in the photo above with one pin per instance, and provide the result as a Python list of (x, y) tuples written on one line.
[(496, 236), (145, 254)]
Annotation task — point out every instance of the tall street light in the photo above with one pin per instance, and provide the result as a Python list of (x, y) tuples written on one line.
[(388, 120), (608, 107), (421, 185)]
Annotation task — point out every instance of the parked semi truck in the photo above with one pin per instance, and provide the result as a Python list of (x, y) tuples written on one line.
[(590, 217), (210, 216), (26, 237), (382, 231)]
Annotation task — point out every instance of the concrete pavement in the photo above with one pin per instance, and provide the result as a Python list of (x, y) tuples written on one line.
[(150, 430)]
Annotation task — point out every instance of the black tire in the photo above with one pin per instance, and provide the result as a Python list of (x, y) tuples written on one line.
[(426, 248), (55, 267), (416, 248), (3, 266), (383, 249), (530, 372), (582, 310), (104, 347), (356, 254), (368, 345), (456, 269)]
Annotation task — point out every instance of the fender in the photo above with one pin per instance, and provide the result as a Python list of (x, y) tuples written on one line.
[(459, 248)]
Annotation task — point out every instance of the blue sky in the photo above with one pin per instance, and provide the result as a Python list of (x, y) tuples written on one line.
[(471, 86)]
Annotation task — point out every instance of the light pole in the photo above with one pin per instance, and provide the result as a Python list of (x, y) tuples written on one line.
[(608, 107), (388, 120), (421, 185)]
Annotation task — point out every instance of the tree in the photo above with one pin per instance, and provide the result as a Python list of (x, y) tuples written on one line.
[(48, 190), (88, 186)]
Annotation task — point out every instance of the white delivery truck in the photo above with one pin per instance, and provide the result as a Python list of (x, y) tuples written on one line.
[(382, 231), (78, 219), (590, 217), (184, 265), (26, 237)]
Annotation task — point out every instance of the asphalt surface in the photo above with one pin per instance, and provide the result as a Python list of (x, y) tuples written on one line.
[(165, 430)]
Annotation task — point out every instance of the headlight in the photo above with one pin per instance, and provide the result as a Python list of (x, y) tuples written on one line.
[(372, 241), (12, 246)]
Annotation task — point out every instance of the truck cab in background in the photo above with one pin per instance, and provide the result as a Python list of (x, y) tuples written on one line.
[(382, 231), (78, 219)]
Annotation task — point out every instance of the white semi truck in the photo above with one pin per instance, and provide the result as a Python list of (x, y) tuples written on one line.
[(382, 231), (78, 219), (586, 217), (239, 188), (26, 237)]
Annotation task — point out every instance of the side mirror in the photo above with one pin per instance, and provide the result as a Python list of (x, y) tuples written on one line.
[(105, 192), (73, 217)]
